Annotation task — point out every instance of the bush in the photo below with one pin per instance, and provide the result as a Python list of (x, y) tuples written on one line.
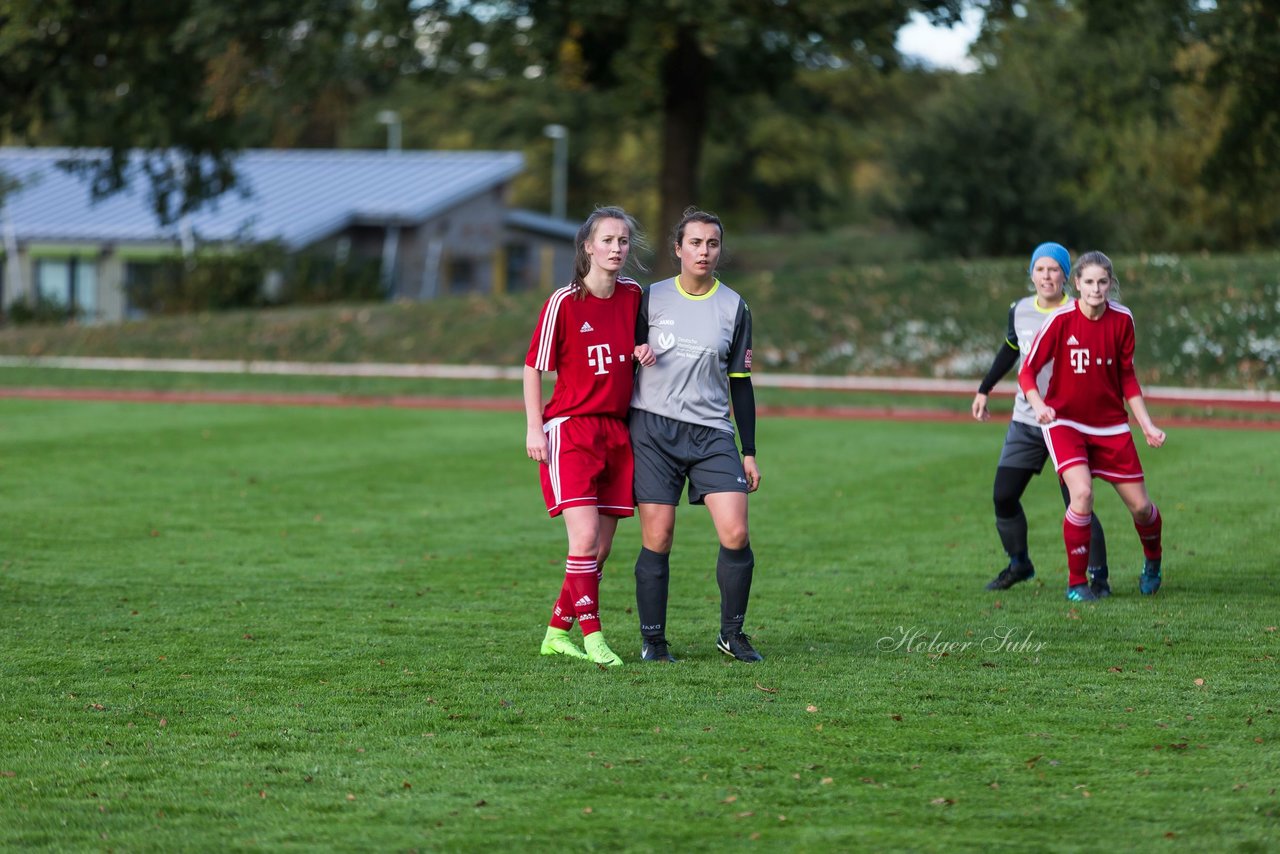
[(209, 280), (250, 277), (316, 276), (39, 311)]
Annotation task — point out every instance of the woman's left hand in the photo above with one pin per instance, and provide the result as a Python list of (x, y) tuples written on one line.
[(753, 473)]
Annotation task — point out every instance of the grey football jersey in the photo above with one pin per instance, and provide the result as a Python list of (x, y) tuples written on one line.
[(1025, 320), (700, 342)]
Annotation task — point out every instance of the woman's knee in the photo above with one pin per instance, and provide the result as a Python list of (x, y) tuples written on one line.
[(1141, 511), (1006, 491), (735, 536)]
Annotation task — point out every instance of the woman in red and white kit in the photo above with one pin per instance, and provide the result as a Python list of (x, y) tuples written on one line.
[(586, 334), (1083, 418)]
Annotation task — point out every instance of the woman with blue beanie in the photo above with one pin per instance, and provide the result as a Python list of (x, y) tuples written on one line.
[(1024, 452)]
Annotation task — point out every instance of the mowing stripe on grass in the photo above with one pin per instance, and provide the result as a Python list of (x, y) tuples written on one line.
[(504, 404), (1237, 398)]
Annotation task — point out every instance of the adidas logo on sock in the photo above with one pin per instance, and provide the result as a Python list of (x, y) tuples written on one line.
[(584, 602), (1079, 550), (586, 327)]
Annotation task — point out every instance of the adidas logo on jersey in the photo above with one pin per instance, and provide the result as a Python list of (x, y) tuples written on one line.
[(1072, 341), (584, 602), (586, 327)]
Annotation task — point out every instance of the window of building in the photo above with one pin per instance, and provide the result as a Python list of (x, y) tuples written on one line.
[(461, 276), (141, 279), (71, 283), (519, 274)]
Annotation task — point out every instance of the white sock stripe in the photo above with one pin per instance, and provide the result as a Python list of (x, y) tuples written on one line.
[(1076, 519)]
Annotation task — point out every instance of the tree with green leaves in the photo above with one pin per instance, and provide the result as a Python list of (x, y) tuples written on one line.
[(184, 83), (678, 61)]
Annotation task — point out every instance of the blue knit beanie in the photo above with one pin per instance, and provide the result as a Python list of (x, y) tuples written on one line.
[(1057, 252)]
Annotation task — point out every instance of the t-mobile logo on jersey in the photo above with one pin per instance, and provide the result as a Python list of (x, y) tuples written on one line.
[(1079, 360), (599, 356)]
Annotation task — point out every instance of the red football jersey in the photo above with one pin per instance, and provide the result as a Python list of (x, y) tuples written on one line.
[(588, 343), (1092, 372)]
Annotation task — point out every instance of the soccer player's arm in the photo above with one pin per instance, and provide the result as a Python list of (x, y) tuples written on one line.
[(1006, 357), (541, 357), (1037, 357), (742, 395), (1132, 389)]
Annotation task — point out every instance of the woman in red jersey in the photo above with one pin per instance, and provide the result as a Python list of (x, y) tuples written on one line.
[(1082, 414), (586, 334)]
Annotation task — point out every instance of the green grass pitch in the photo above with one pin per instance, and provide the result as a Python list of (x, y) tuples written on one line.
[(227, 627)]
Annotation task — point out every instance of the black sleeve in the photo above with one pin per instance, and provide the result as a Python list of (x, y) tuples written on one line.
[(642, 320), (1006, 357), (744, 412)]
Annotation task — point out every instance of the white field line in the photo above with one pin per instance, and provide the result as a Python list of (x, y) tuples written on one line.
[(497, 372)]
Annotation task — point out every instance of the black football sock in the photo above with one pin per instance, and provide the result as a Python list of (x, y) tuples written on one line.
[(1013, 536), (653, 570), (733, 573), (1097, 545)]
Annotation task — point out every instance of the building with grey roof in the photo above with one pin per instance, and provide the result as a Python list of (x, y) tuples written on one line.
[(439, 222)]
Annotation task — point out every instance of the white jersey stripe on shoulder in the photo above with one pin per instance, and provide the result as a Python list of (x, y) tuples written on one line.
[(546, 335), (1048, 322)]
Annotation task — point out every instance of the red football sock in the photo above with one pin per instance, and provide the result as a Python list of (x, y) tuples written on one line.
[(1075, 535), (562, 614), (584, 586), (1149, 533)]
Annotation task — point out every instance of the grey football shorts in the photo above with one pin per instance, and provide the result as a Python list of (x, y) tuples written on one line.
[(1024, 448), (669, 452)]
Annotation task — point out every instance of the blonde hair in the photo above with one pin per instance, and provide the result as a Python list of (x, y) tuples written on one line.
[(582, 261)]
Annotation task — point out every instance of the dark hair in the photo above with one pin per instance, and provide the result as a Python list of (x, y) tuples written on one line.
[(582, 261), (1097, 259), (692, 214)]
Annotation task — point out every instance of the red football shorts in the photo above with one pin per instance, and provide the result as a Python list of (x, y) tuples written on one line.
[(589, 462), (1112, 457)]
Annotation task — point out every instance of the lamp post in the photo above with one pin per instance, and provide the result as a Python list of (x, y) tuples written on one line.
[(391, 119), (391, 238), (559, 168)]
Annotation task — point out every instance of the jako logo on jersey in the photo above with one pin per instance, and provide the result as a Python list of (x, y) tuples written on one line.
[(666, 321), (586, 327), (666, 340), (1079, 360), (598, 356)]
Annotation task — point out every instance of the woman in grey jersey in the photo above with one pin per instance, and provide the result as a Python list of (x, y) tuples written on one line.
[(681, 431), (1024, 452)]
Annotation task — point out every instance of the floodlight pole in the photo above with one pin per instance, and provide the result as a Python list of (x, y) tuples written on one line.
[(559, 169), (391, 119), (391, 238)]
